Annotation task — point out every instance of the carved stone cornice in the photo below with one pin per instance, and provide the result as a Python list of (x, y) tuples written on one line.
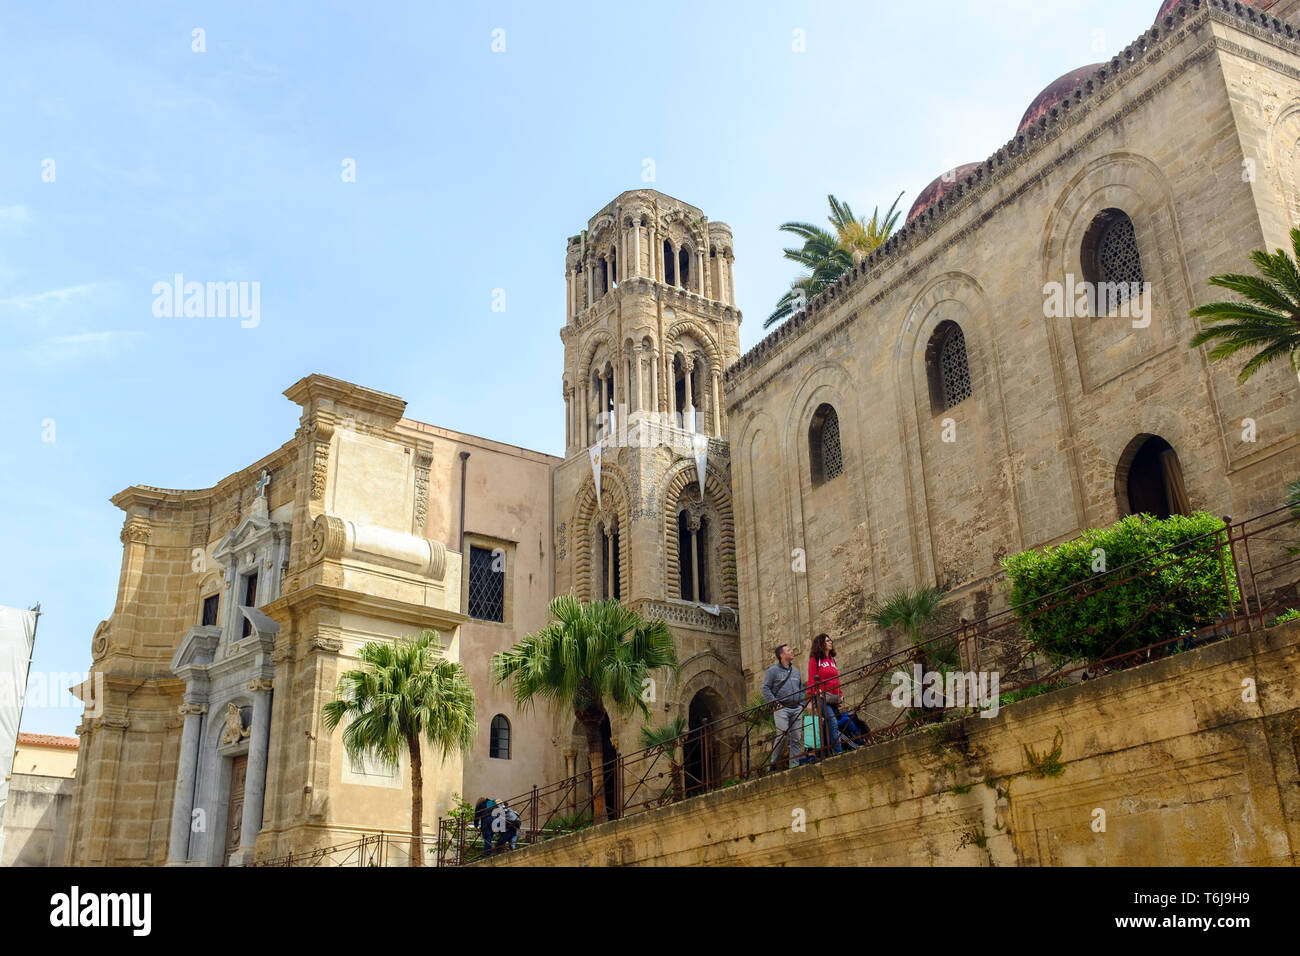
[(260, 684), (136, 530)]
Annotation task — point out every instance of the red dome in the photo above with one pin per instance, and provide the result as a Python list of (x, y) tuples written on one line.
[(1056, 91), (932, 193), (1169, 6)]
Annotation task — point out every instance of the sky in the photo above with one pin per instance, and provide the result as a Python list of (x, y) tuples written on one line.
[(383, 176)]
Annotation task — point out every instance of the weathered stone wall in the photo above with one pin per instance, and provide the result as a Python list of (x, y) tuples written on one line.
[(1058, 406), (1184, 770), (36, 820)]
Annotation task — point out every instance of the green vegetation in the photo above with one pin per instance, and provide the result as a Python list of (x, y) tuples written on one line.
[(1269, 319), (666, 738), (1042, 687), (404, 690), (1168, 594), (588, 655), (1290, 614), (910, 610), (1048, 764), (827, 255)]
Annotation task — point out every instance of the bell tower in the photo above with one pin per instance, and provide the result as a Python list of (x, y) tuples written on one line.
[(643, 509)]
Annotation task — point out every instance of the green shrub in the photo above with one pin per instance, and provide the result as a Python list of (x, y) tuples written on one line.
[(1159, 603), (1290, 614)]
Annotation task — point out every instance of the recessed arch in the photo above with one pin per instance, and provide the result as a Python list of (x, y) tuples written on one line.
[(1149, 479)]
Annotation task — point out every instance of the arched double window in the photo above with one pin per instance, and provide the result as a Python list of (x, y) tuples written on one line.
[(824, 450), (947, 367), (692, 556), (608, 565), (499, 745)]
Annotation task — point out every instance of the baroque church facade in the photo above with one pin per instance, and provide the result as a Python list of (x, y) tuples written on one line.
[(926, 416)]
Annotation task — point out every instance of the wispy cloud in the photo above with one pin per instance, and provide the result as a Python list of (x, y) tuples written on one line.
[(83, 346), (53, 296)]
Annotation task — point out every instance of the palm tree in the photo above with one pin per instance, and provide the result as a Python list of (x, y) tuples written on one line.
[(666, 738), (403, 691), (911, 609), (1268, 321), (829, 255), (589, 654)]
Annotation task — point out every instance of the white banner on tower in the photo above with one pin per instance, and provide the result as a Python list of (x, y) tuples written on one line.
[(594, 451), (17, 635), (700, 445)]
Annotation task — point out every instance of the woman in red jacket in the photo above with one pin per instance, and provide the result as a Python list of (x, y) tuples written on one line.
[(824, 678)]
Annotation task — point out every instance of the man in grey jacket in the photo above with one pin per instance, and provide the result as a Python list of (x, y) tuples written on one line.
[(783, 689)]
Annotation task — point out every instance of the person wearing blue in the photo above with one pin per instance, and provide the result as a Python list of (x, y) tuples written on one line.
[(483, 820)]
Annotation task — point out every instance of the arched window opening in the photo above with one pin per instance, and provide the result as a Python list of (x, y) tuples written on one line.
[(613, 266), (947, 367), (824, 450), (602, 277), (1151, 479), (499, 746), (684, 270), (1110, 259), (688, 380), (669, 270), (702, 759)]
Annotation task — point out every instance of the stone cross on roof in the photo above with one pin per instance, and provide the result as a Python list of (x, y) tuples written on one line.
[(262, 483)]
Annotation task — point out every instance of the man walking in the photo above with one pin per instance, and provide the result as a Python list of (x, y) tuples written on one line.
[(783, 689)]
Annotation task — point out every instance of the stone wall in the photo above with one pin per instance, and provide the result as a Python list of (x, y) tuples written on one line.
[(1058, 406), (36, 820), (1168, 757)]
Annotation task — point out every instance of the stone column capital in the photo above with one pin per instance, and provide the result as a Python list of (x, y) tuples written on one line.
[(260, 684)]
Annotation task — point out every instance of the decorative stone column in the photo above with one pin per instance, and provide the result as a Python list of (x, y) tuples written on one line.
[(693, 525), (255, 784), (688, 410), (717, 405), (637, 402), (584, 411), (654, 379), (178, 843), (671, 382)]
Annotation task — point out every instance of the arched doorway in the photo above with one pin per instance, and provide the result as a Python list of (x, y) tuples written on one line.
[(1149, 479), (701, 760)]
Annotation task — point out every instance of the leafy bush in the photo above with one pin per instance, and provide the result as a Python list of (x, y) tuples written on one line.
[(1170, 593), (1290, 614)]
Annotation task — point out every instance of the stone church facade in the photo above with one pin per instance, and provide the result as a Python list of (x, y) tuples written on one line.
[(920, 420), (933, 411)]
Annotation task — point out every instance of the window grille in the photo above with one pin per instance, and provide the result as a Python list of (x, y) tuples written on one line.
[(487, 584), (954, 371), (832, 460)]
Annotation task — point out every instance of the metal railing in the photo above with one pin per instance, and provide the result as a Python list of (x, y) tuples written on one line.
[(1250, 557)]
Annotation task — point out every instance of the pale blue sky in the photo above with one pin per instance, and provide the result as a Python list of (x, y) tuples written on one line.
[(472, 169)]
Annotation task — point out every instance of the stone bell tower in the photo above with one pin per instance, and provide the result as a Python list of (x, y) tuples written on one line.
[(650, 324)]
